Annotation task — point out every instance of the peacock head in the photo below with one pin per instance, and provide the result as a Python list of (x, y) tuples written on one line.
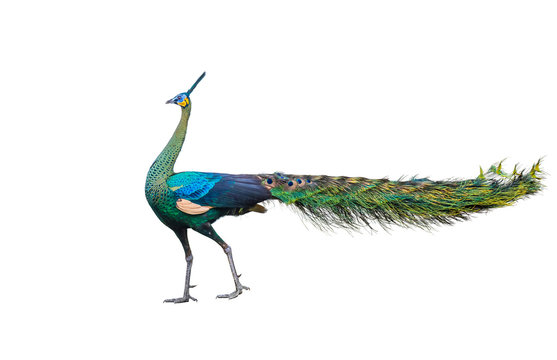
[(183, 99)]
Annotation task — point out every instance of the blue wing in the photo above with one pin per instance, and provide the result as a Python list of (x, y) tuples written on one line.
[(219, 190)]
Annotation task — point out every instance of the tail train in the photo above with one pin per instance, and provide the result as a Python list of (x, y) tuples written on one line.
[(354, 202)]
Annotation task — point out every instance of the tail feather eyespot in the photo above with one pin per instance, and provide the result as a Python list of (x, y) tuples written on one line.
[(269, 183)]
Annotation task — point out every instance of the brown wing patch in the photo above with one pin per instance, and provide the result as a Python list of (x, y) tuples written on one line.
[(258, 208), (190, 208)]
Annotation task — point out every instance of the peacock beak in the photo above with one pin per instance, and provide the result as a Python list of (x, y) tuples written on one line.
[(170, 101)]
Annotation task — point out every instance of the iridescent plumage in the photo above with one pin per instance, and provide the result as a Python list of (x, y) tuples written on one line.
[(194, 200), (352, 202)]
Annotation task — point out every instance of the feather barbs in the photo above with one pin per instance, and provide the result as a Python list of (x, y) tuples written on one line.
[(353, 202)]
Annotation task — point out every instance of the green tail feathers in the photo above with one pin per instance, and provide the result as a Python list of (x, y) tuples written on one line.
[(353, 202)]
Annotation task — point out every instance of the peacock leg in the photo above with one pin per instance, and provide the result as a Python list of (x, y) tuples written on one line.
[(207, 230), (183, 236)]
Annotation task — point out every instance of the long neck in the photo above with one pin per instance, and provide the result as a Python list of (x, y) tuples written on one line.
[(163, 166)]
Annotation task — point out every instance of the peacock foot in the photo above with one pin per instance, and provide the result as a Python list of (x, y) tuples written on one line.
[(184, 298), (233, 294), (180, 300)]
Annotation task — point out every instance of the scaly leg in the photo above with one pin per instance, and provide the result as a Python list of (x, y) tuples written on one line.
[(207, 230), (183, 236)]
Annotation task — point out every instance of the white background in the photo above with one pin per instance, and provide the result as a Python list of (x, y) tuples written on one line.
[(374, 89)]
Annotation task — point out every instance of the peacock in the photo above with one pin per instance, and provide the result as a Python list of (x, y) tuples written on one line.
[(195, 200)]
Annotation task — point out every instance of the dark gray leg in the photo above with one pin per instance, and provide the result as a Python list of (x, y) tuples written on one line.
[(183, 236), (207, 230)]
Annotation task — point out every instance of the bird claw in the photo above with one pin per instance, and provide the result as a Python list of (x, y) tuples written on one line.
[(180, 300), (185, 298), (233, 294)]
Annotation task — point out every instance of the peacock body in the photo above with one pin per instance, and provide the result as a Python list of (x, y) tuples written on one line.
[(195, 200)]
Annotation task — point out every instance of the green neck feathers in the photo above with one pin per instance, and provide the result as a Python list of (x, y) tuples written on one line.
[(163, 166)]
